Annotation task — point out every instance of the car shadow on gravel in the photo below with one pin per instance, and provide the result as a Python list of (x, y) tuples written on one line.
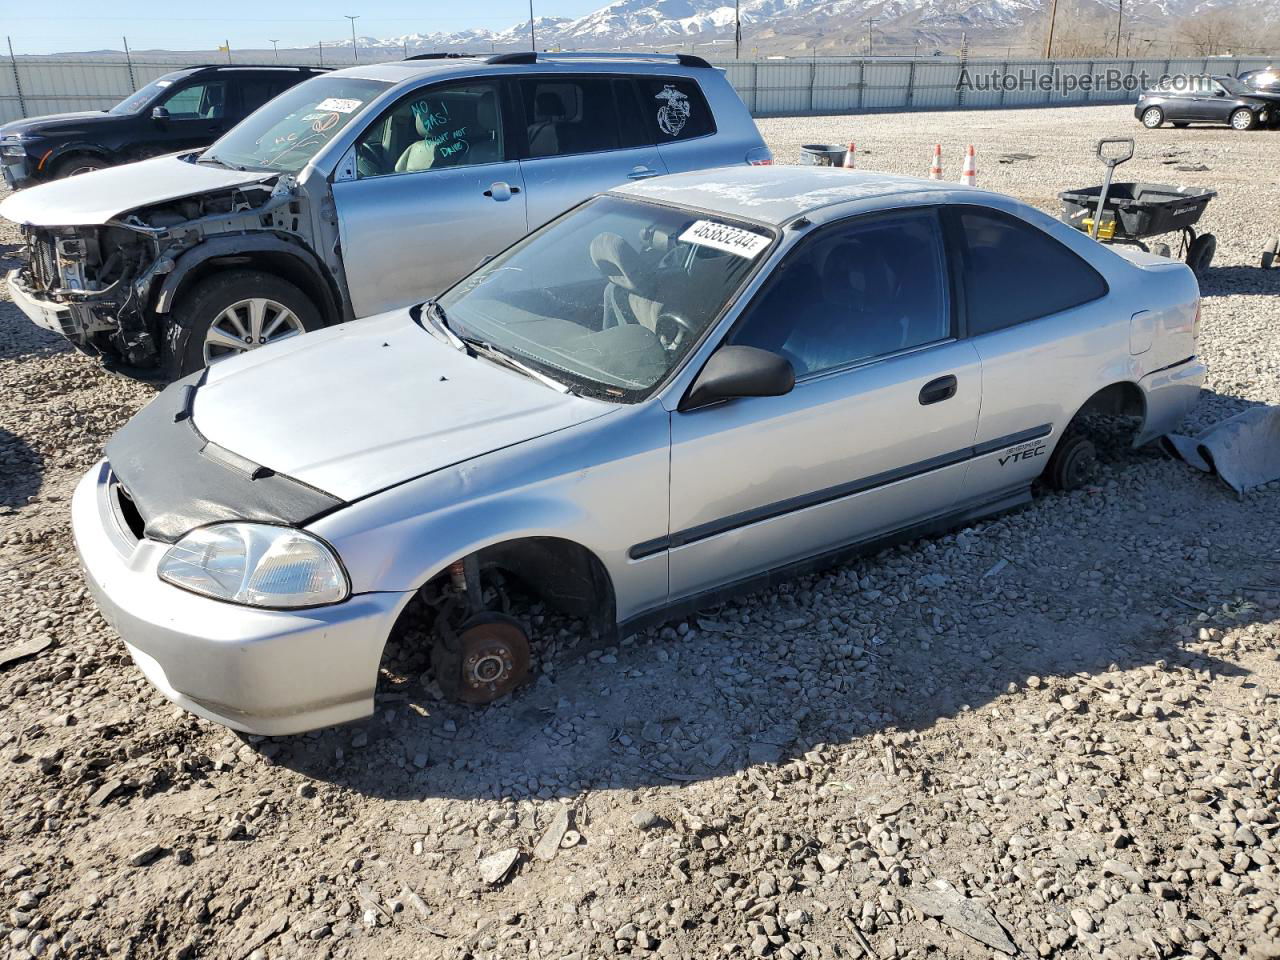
[(1234, 281), (842, 655), (19, 337), (21, 470)]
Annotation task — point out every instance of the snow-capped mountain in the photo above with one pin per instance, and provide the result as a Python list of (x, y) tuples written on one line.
[(640, 24)]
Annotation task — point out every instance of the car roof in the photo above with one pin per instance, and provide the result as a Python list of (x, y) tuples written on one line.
[(778, 194)]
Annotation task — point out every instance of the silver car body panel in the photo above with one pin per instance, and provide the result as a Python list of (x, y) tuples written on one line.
[(426, 406), (679, 506)]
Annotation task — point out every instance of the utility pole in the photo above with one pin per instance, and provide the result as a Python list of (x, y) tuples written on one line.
[(320, 45), (1048, 42), (870, 22), (228, 49), (1119, 24), (133, 84), (355, 54), (533, 37), (737, 30), (275, 48)]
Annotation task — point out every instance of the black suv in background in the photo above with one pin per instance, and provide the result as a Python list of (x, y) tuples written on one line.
[(182, 110)]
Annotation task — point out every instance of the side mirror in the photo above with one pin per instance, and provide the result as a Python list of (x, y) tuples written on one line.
[(159, 113), (737, 371)]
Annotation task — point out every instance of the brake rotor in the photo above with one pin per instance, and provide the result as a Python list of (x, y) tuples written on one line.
[(489, 660)]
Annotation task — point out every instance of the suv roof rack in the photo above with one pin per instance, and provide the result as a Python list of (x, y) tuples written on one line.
[(443, 56), (251, 66), (528, 56)]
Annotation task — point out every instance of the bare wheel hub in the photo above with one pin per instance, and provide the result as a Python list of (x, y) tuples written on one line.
[(490, 659)]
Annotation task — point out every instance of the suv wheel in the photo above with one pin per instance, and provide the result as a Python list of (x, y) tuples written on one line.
[(231, 313), (1243, 119), (1152, 117), (74, 166), (1073, 463)]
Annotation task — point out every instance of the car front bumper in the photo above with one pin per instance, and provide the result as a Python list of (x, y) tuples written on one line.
[(57, 317), (259, 671), (17, 171)]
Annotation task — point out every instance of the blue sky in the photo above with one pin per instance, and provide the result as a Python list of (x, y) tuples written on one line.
[(189, 26)]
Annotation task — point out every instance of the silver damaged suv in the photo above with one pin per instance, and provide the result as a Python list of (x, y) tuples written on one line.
[(353, 193)]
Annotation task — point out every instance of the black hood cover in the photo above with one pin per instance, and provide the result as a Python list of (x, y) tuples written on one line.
[(178, 480)]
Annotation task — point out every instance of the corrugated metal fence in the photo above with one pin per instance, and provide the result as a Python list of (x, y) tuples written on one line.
[(33, 86)]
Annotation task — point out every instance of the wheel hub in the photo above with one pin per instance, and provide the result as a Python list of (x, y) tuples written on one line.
[(487, 668), (485, 661)]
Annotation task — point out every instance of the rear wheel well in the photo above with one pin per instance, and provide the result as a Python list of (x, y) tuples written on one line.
[(1121, 399), (284, 265)]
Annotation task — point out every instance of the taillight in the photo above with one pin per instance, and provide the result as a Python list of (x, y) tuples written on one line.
[(760, 157)]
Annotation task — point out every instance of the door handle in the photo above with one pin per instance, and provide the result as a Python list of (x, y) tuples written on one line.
[(935, 391), (501, 191), (641, 173)]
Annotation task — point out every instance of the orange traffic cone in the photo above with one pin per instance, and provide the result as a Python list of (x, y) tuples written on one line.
[(969, 174), (935, 171), (848, 156)]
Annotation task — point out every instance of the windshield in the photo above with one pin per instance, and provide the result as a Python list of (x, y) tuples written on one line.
[(292, 128), (137, 101), (611, 297), (1262, 79)]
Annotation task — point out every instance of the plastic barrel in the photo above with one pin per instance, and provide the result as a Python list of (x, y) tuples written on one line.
[(822, 155)]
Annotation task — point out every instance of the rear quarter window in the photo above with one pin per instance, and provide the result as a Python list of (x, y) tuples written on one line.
[(1013, 272), (674, 108)]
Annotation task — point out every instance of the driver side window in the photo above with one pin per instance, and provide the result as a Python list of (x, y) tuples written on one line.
[(432, 129), (853, 293), (200, 101)]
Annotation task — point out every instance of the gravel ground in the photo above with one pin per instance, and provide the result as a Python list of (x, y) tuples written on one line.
[(1051, 735)]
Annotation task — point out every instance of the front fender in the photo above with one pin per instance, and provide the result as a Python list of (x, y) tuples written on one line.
[(602, 486), (246, 245)]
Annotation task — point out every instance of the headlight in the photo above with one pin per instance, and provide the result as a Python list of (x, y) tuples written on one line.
[(12, 148), (257, 565)]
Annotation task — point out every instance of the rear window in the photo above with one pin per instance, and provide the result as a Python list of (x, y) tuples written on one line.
[(674, 108)]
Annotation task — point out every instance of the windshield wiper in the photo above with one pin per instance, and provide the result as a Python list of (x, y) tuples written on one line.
[(478, 347), (222, 163)]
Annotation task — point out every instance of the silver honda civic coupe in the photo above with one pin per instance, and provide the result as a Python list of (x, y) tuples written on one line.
[(678, 390)]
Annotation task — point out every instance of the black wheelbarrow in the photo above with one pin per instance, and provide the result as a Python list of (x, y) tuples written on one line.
[(1133, 212)]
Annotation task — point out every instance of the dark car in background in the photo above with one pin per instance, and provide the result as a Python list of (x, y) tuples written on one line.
[(1185, 100), (1268, 80), (183, 110)]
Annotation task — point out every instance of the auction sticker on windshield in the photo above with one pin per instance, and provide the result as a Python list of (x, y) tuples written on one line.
[(721, 236), (338, 104)]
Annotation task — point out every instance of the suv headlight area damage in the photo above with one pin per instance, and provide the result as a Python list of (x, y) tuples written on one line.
[(100, 286)]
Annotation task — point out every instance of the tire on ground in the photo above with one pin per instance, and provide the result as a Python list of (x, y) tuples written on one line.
[(1152, 117), (182, 349), (1200, 253), (1242, 119), (1073, 464)]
